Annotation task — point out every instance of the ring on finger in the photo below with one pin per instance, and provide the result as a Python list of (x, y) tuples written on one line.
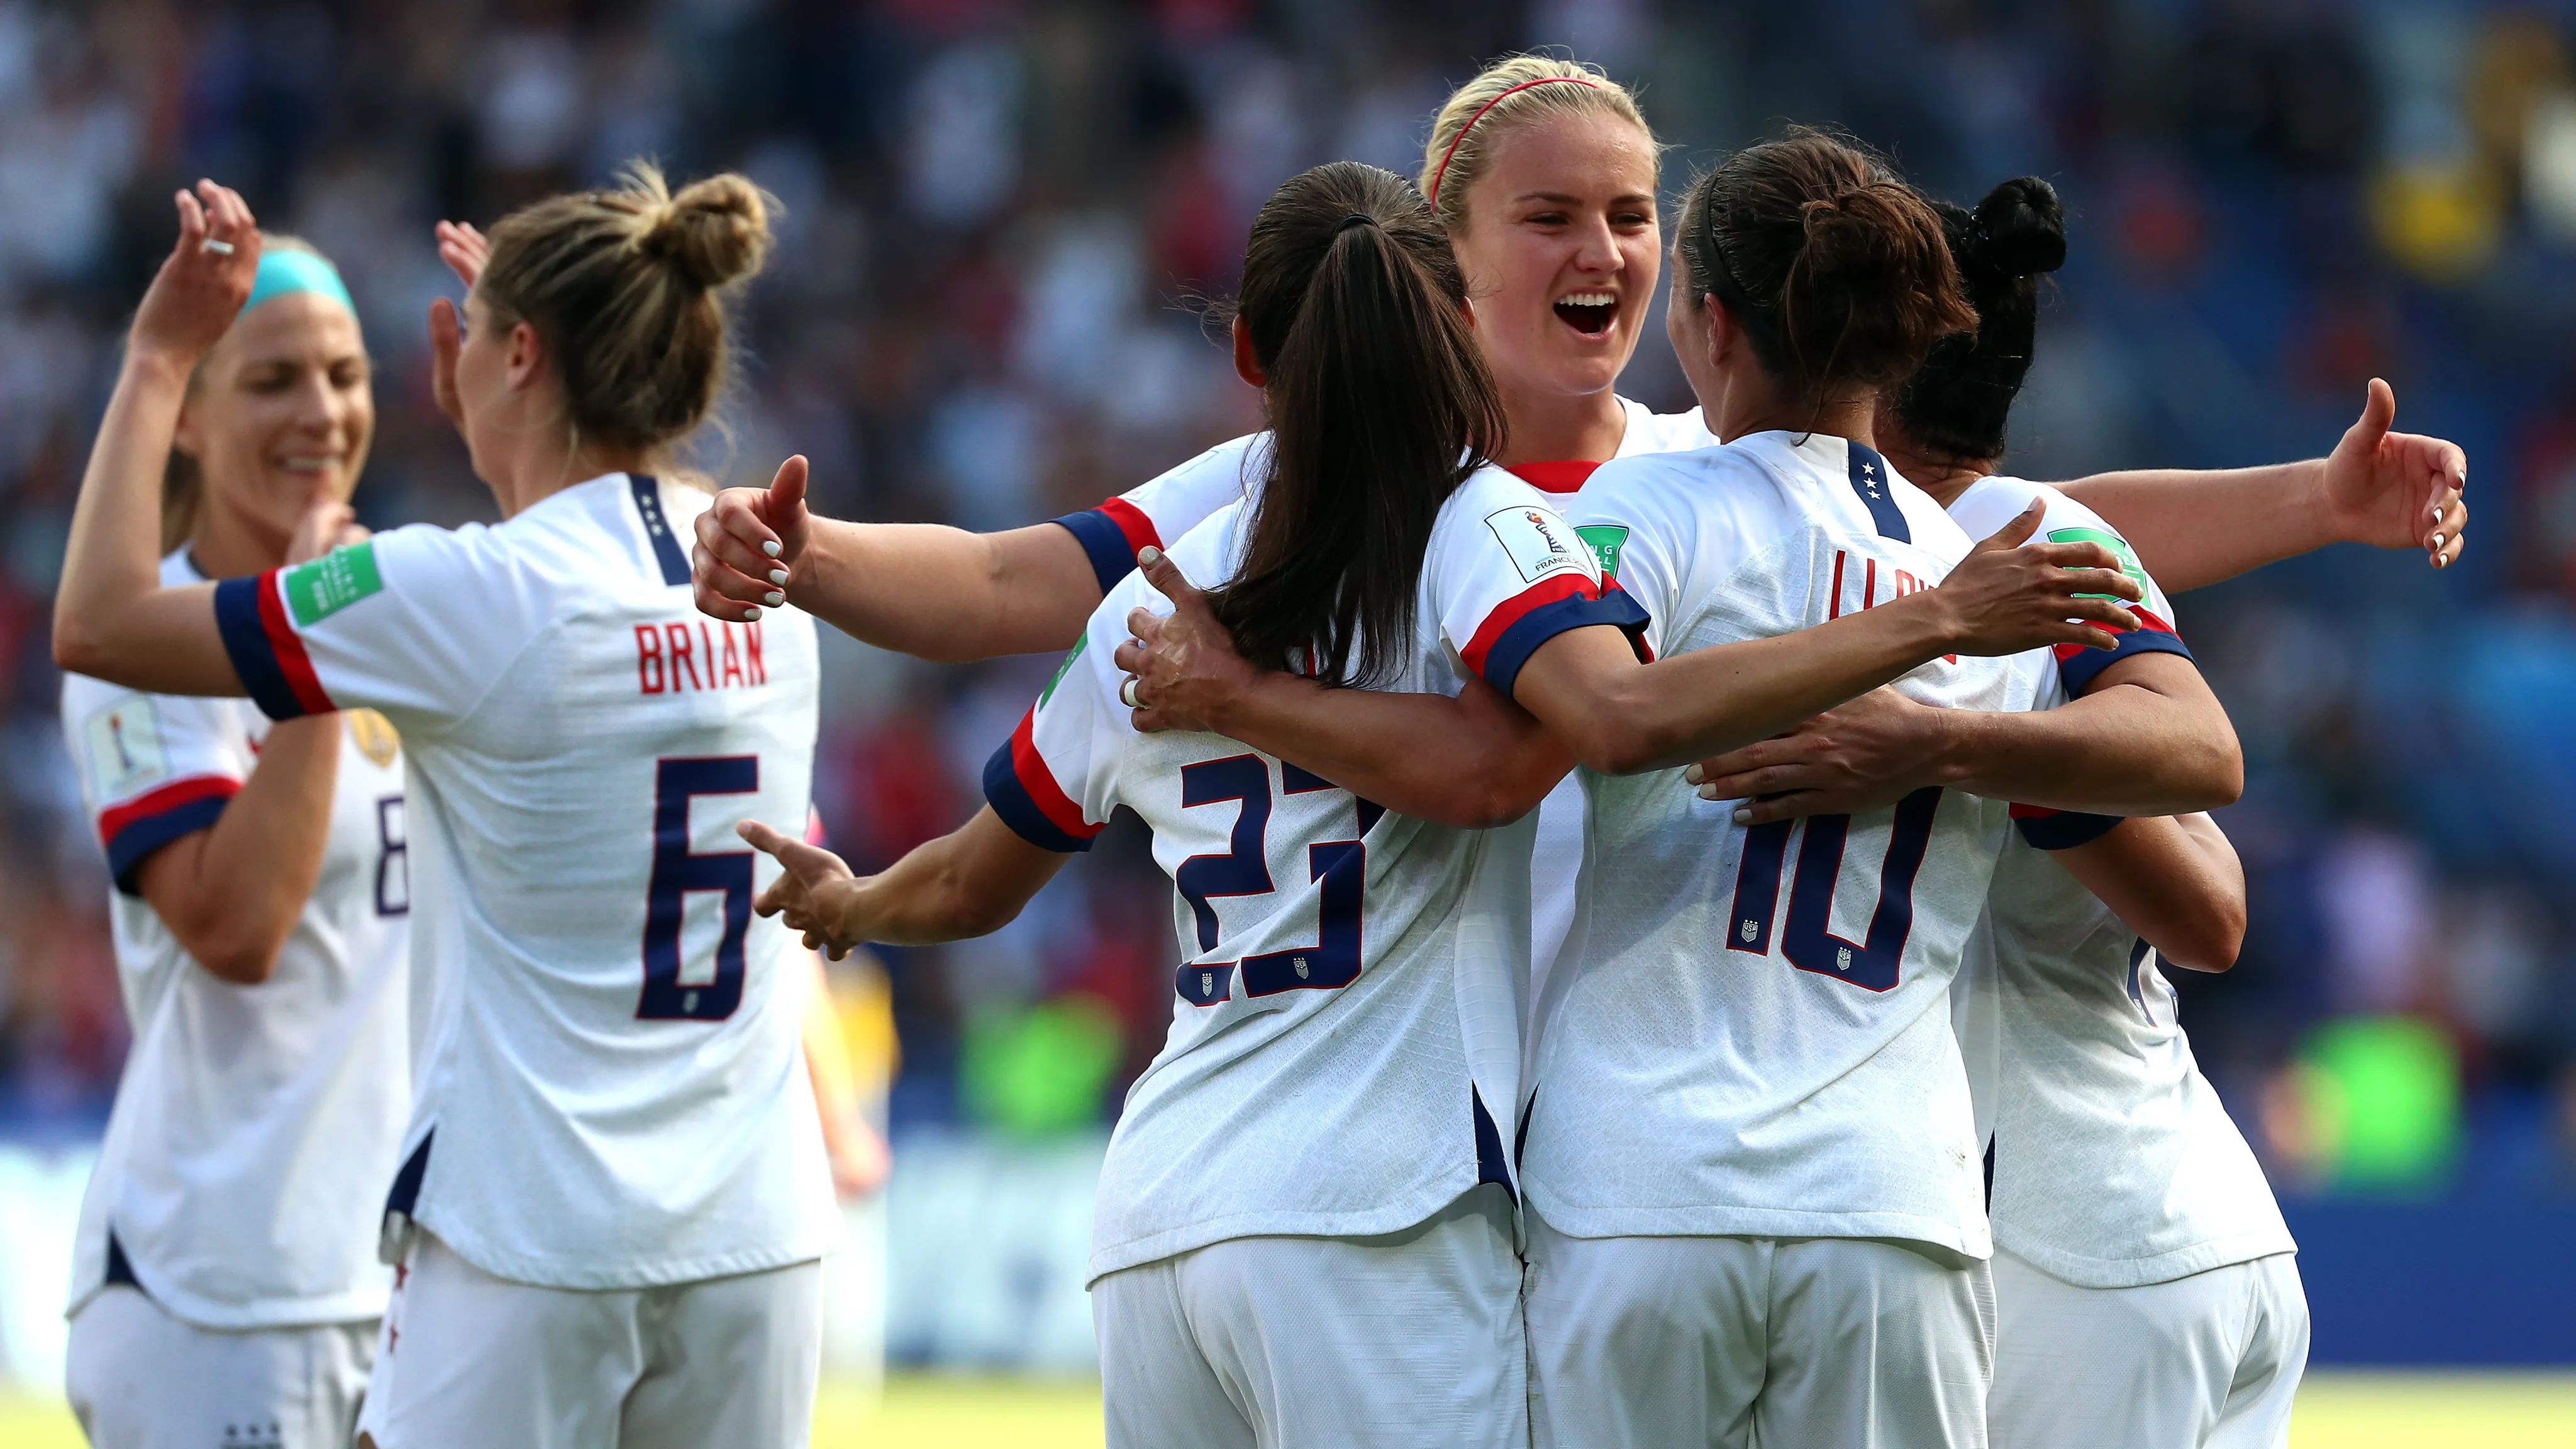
[(1127, 693), (215, 246)]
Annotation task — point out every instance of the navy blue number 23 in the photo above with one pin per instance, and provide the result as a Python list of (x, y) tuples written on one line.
[(1339, 866), (677, 873), (1808, 940)]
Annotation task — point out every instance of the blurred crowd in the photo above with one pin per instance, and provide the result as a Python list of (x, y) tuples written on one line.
[(1002, 218)]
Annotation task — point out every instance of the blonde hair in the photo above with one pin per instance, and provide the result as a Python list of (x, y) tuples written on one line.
[(1511, 92), (623, 286), (183, 482)]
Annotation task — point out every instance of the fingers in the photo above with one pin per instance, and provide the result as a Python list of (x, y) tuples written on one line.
[(1790, 806), (1145, 624), (763, 838), (2012, 534), (2101, 581), (2451, 534), (192, 224), (2378, 415), (731, 573), (1153, 721), (786, 504), (1164, 575), (463, 249), (1130, 657)]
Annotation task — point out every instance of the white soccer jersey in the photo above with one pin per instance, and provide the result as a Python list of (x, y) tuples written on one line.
[(1749, 1031), (2114, 1163), (255, 1127), (613, 1094), (1174, 502), (1345, 1044)]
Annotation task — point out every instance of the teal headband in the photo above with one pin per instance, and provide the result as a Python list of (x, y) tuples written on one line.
[(282, 271)]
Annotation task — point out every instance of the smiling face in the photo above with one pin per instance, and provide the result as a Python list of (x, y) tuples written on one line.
[(281, 411), (1561, 250)]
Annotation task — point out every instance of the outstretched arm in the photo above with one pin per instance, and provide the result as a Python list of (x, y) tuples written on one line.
[(112, 618), (922, 589), (2383, 488), (1623, 718), (2173, 879), (2147, 739), (970, 882)]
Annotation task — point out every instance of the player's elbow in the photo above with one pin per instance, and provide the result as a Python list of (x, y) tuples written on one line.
[(2209, 941), (2213, 776), (79, 647), (231, 953)]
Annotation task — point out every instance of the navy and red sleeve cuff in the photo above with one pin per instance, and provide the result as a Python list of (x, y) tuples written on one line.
[(2079, 666), (134, 830), (2047, 829), (1111, 535), (1514, 631), (266, 651), (1021, 790)]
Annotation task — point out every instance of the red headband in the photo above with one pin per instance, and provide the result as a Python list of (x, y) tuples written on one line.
[(1443, 168)]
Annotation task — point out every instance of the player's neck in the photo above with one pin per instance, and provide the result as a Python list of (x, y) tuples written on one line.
[(1943, 478), (1555, 427), (547, 465)]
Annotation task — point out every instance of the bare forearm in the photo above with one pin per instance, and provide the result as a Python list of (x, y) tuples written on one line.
[(1625, 721), (945, 594), (970, 882), (233, 893), (2172, 879), (2121, 750), (2196, 528), (1473, 761)]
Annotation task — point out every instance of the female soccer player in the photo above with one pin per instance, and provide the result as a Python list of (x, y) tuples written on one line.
[(2146, 1287), (612, 1194), (1304, 1231), (226, 1277)]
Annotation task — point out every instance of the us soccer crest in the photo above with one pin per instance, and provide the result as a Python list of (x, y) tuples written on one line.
[(374, 734)]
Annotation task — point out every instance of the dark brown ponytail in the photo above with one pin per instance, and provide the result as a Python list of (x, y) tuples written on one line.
[(1837, 270), (1379, 406)]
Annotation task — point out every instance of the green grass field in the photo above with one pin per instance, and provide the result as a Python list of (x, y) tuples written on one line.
[(2336, 1411)]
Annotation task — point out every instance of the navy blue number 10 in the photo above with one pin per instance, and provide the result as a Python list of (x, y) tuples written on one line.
[(1339, 867), (677, 873), (1808, 939)]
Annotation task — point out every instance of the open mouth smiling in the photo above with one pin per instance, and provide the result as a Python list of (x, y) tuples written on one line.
[(1589, 313)]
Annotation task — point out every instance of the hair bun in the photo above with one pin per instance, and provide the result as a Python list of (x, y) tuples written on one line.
[(715, 231), (2021, 228)]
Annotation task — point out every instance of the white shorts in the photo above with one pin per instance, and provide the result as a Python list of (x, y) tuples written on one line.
[(1788, 1343), (1401, 1341), (2211, 1361), (470, 1358), (141, 1379)]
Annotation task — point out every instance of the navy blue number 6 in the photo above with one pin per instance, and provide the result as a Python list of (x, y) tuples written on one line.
[(677, 873)]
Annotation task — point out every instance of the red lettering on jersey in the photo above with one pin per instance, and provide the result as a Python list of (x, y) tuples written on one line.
[(681, 655), (732, 659), (709, 640), (759, 670), (1869, 584), (1834, 600), (1907, 584), (648, 659)]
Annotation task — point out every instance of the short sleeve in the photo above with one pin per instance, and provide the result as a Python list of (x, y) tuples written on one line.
[(1639, 547), (1054, 782), (419, 623), (1508, 573), (1162, 509), (154, 768)]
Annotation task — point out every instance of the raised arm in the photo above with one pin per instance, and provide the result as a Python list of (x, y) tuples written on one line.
[(2383, 488), (970, 882), (112, 618), (922, 589), (2173, 879)]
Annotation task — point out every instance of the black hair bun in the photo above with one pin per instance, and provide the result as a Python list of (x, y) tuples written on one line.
[(2021, 229)]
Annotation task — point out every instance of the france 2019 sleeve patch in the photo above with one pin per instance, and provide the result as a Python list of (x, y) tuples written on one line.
[(317, 590), (1540, 543), (125, 748)]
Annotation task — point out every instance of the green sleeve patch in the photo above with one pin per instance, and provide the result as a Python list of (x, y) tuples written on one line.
[(1606, 540), (2120, 550), (317, 590), (1065, 668)]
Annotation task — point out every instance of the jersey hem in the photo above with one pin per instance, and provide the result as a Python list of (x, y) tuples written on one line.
[(2184, 1262), (262, 1316), (551, 1273), (1753, 1222), (1368, 1223)]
